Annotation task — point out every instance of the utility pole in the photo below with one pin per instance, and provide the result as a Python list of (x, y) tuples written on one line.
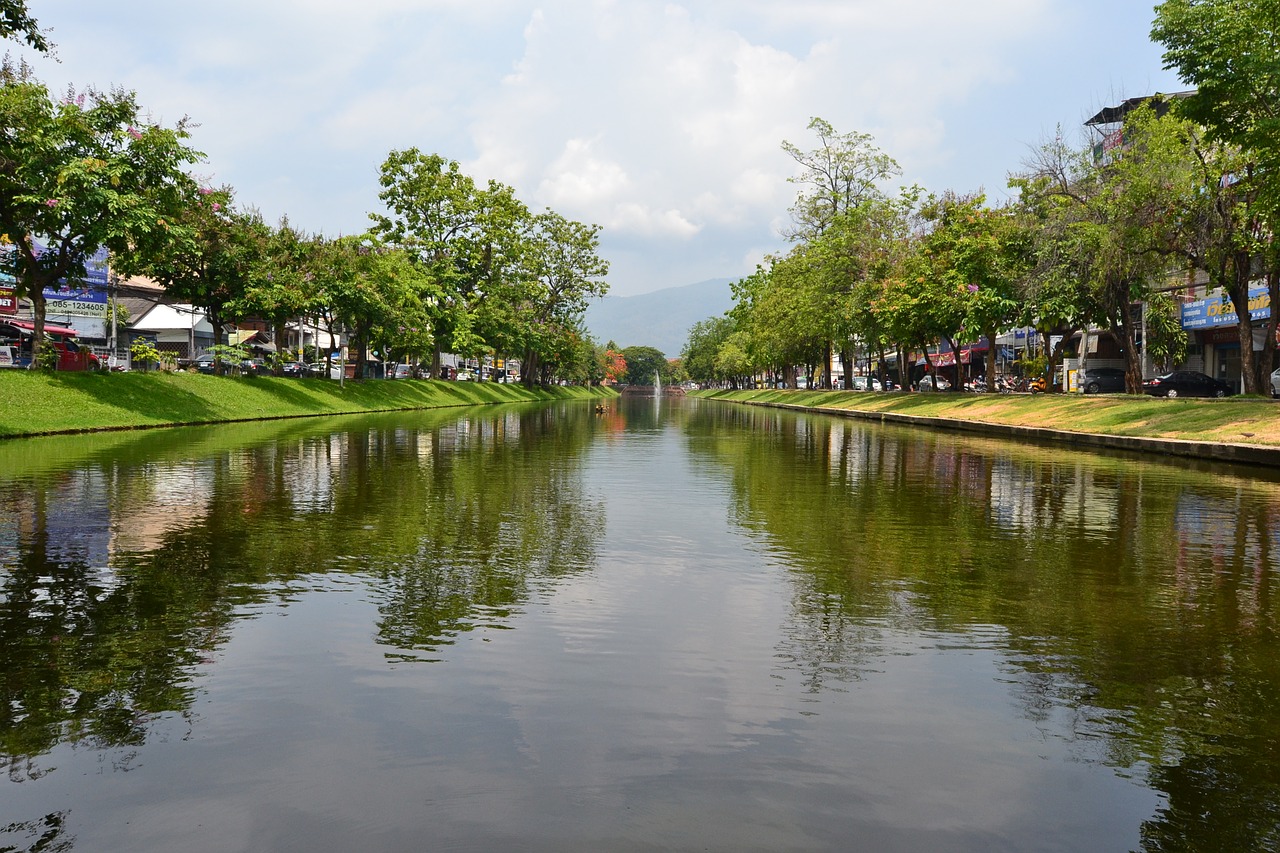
[(113, 286)]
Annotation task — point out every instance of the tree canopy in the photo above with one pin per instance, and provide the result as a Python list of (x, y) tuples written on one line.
[(84, 172)]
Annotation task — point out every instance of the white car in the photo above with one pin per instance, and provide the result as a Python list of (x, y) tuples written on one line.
[(864, 383), (1275, 382)]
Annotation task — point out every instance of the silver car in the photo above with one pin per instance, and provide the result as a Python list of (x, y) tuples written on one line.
[(1275, 382)]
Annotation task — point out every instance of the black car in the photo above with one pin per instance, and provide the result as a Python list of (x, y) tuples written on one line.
[(293, 368), (1186, 383), (1102, 380), (254, 367)]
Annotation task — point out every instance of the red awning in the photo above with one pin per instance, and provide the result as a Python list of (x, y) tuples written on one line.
[(49, 330)]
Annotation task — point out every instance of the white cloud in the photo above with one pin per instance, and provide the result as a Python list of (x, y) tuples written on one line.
[(580, 180), (661, 122), (633, 218)]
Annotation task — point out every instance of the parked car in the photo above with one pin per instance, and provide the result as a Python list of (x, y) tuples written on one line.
[(323, 369), (933, 383), (863, 383), (400, 371), (9, 357), (1102, 380), (1186, 383), (1275, 382), (203, 363), (254, 367), (294, 368)]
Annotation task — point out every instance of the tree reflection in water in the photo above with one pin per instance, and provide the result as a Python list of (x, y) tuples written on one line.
[(1135, 596), (124, 568)]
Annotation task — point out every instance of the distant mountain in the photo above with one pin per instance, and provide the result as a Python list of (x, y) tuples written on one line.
[(661, 319)]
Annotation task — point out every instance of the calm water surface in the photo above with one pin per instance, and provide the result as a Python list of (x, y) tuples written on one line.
[(673, 626)]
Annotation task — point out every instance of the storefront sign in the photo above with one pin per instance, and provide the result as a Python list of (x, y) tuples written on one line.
[(1218, 310), (8, 301), (87, 298)]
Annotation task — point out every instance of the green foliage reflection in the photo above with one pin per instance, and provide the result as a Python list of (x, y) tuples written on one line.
[(1142, 595)]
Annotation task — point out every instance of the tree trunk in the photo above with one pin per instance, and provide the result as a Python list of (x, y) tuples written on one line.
[(1239, 293), (1132, 359), (362, 351), (1267, 361), (277, 369), (990, 335), (957, 385), (38, 306)]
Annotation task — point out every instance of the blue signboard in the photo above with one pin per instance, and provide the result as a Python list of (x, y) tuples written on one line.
[(1218, 310), (85, 298)]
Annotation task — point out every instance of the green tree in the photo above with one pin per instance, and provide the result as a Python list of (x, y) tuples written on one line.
[(1122, 217), (565, 272), (281, 284), (213, 264), (1166, 340), (465, 239), (843, 171), (373, 289), (643, 364), (865, 246), (704, 342), (1057, 299), (80, 174), (733, 360), (976, 256), (1230, 51), (1222, 225), (16, 22)]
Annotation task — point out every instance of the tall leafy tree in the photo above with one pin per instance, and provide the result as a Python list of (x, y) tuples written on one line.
[(843, 171), (643, 364), (213, 263), (281, 283), (564, 273), (81, 173), (16, 23), (1122, 218), (1230, 51), (465, 238), (1218, 222), (1055, 292), (981, 253), (704, 342), (373, 289)]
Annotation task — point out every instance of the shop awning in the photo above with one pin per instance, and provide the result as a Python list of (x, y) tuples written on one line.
[(49, 330)]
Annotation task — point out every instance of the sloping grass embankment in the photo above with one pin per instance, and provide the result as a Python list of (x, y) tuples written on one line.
[(34, 403), (1235, 420)]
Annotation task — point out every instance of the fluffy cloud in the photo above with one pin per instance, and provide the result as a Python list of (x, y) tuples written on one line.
[(661, 122)]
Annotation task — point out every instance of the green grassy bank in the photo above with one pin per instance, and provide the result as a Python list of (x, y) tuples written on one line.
[(34, 403), (1231, 421)]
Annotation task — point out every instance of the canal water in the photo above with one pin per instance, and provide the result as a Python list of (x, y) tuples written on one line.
[(674, 625)]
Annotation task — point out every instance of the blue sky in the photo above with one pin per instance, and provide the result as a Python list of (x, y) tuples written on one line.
[(661, 122)]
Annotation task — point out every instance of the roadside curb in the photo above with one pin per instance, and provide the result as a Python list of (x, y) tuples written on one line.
[(1242, 454)]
